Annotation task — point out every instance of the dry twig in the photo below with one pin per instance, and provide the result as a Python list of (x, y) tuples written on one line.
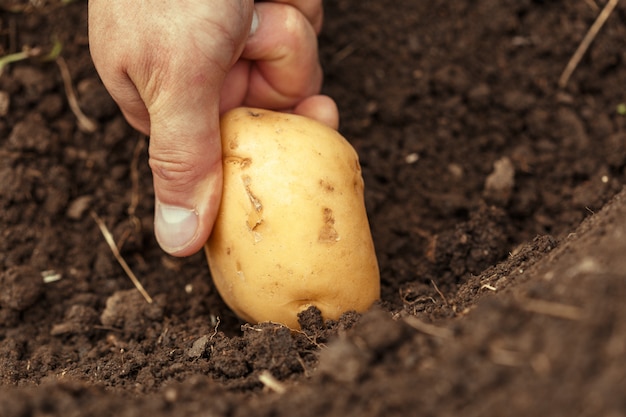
[(108, 237), (217, 324), (550, 308), (84, 122), (443, 297), (592, 4), (272, 383), (429, 329), (584, 45)]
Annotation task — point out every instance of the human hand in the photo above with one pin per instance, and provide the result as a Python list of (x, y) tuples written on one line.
[(173, 67)]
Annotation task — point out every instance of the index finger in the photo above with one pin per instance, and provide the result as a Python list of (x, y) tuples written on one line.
[(285, 66), (311, 9)]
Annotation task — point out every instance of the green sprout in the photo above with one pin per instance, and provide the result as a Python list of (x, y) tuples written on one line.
[(36, 52), (55, 51), (621, 109), (18, 56)]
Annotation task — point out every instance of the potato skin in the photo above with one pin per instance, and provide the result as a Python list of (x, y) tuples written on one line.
[(292, 230)]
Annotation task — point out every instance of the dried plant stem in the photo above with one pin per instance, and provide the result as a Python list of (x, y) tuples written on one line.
[(443, 297), (592, 4), (550, 308), (217, 325), (427, 328), (272, 383), (108, 237), (84, 122), (584, 45)]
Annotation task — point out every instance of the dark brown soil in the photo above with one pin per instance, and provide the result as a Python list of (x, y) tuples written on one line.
[(496, 205)]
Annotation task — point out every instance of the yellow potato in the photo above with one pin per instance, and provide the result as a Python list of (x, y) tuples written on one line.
[(292, 230)]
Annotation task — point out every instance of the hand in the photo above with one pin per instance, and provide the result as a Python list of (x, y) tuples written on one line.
[(174, 66)]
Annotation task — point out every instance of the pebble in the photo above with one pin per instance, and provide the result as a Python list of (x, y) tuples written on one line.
[(500, 183), (21, 287)]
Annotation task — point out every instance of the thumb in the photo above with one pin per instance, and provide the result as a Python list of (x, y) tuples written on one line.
[(185, 158), (185, 152)]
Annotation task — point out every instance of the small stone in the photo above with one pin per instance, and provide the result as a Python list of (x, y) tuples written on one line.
[(78, 319), (199, 347), (21, 287), (500, 183), (78, 207), (128, 311), (34, 81), (30, 135)]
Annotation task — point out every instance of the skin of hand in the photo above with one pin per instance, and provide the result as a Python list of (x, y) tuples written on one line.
[(174, 66)]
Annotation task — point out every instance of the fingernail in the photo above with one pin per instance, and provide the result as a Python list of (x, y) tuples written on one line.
[(255, 22), (174, 227)]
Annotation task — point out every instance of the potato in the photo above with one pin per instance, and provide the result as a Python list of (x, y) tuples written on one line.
[(292, 230)]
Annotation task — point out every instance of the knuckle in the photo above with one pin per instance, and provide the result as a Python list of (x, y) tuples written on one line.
[(175, 171), (295, 22)]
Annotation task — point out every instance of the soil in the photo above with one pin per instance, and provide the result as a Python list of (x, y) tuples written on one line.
[(497, 206)]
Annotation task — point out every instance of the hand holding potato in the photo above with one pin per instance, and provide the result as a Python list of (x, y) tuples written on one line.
[(292, 230), (174, 66)]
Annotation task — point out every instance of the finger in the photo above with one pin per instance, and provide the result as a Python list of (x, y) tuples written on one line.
[(311, 9), (235, 86), (283, 49), (185, 158), (185, 148), (321, 108)]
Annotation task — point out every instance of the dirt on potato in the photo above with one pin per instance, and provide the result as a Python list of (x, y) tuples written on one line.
[(496, 199)]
